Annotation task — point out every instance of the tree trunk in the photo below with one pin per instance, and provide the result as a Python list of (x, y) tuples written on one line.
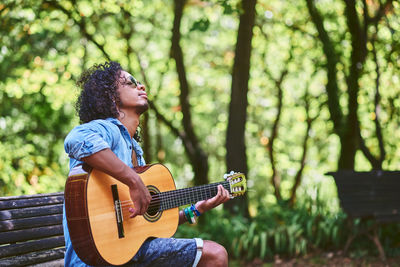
[(349, 139), (198, 158), (235, 138), (346, 127)]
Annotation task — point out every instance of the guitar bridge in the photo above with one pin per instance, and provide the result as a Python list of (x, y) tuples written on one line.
[(118, 211)]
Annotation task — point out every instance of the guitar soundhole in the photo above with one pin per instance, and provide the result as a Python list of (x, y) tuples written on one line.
[(153, 212), (154, 206)]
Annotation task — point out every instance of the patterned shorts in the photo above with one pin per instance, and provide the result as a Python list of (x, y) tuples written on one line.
[(165, 252)]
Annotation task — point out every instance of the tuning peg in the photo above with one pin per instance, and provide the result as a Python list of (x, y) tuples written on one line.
[(228, 175)]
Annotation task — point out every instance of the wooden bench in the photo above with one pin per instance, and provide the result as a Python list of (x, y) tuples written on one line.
[(372, 196), (31, 231)]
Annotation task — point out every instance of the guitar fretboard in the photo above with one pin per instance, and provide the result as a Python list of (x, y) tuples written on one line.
[(176, 198)]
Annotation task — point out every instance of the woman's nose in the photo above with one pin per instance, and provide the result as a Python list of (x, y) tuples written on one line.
[(141, 87)]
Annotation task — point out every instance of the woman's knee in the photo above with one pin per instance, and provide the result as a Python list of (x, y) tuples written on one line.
[(213, 255)]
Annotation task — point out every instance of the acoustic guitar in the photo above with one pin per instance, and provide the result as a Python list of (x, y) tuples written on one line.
[(97, 210)]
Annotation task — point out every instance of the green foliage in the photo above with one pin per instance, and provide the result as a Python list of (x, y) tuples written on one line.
[(275, 229), (363, 245), (36, 112), (31, 134), (289, 232), (201, 25), (279, 230)]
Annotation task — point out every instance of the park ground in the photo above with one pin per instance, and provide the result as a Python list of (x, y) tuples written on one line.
[(329, 259)]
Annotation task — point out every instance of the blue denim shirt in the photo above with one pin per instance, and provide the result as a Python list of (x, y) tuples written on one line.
[(87, 139)]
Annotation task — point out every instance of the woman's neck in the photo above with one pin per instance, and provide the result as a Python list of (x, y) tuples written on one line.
[(130, 121)]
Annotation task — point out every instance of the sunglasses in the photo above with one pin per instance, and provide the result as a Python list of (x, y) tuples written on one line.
[(134, 81)]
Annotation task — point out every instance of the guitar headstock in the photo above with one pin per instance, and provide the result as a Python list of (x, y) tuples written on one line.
[(237, 183)]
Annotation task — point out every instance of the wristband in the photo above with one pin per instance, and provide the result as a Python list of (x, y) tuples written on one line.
[(189, 215), (193, 208), (192, 218)]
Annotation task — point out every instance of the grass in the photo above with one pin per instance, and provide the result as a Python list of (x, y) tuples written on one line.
[(329, 259)]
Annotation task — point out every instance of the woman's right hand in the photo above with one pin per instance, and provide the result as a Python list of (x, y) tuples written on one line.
[(140, 197), (106, 161)]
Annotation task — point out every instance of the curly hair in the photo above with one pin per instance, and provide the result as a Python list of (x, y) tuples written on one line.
[(99, 97)]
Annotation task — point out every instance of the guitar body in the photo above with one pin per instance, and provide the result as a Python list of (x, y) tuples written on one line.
[(93, 222)]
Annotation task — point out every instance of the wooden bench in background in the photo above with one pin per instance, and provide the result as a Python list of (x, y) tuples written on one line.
[(31, 231), (373, 197)]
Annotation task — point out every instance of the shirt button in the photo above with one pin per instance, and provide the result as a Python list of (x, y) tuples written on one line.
[(130, 147)]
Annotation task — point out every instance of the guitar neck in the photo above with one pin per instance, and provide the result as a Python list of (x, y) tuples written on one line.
[(176, 198)]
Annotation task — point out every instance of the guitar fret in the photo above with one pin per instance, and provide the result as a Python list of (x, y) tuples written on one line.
[(162, 199), (180, 197)]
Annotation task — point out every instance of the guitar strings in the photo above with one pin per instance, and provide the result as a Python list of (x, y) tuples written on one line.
[(177, 194), (156, 206), (178, 197), (174, 197), (171, 197)]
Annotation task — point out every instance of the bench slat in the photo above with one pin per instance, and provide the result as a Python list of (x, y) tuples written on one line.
[(369, 208), (388, 218), (370, 191), (31, 231), (30, 212), (386, 204), (34, 258), (32, 246), (30, 234), (368, 213), (53, 263), (373, 194), (27, 223), (373, 197), (33, 196), (30, 202)]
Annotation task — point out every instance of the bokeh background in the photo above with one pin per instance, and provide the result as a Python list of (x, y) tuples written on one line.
[(284, 91)]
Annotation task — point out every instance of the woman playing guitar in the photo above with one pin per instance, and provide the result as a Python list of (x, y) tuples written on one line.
[(109, 105)]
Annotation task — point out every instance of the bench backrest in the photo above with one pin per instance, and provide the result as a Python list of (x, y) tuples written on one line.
[(373, 194), (31, 229)]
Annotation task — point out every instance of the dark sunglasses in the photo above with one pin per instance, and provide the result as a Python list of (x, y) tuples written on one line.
[(134, 81)]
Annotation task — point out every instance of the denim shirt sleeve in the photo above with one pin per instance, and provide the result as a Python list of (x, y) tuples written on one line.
[(86, 139)]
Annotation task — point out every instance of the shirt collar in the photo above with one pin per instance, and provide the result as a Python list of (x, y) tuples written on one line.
[(115, 121), (136, 146)]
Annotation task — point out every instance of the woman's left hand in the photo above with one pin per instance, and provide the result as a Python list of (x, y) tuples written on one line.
[(221, 197)]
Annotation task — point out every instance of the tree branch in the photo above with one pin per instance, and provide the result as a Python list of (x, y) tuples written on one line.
[(196, 154), (332, 60), (177, 55), (275, 179), (299, 174), (376, 162)]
